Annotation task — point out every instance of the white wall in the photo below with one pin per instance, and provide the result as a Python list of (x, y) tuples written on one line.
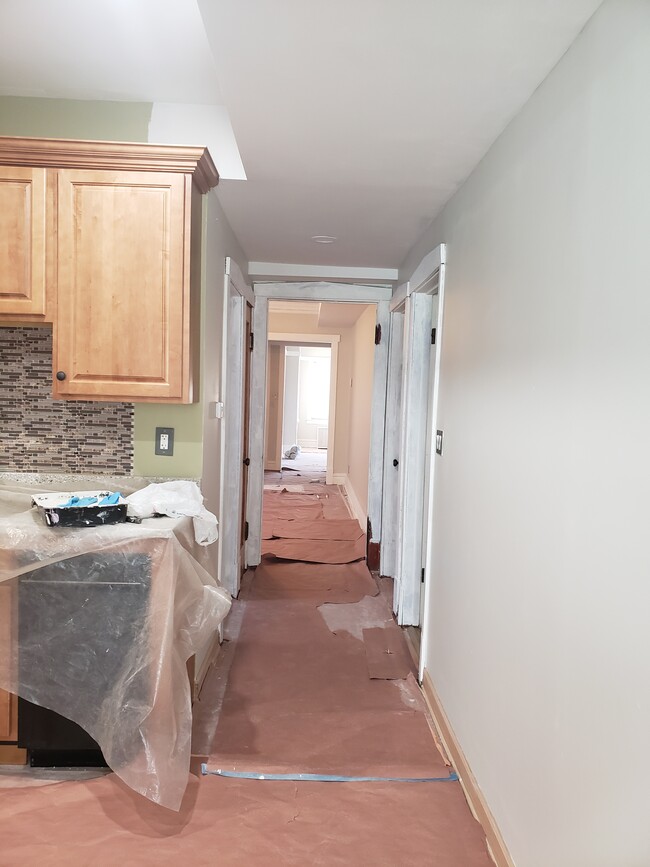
[(314, 376), (540, 647), (290, 415)]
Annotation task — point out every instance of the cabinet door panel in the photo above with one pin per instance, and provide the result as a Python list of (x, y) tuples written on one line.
[(22, 241), (122, 325), (8, 702), (8, 718)]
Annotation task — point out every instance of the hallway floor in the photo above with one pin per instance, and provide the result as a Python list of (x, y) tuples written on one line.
[(314, 677)]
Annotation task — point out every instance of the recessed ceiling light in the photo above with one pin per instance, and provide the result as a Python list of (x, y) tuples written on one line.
[(323, 239)]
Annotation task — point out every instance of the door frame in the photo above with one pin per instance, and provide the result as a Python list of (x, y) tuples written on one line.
[(409, 534), (331, 340), (325, 292), (392, 431), (231, 400)]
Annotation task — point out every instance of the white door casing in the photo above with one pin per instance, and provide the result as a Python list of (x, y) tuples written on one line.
[(430, 486), (390, 491), (256, 432), (377, 426), (417, 409)]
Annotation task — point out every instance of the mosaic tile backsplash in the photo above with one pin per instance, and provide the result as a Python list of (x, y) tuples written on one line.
[(38, 433)]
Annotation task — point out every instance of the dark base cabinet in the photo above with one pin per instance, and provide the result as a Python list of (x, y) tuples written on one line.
[(52, 741), (81, 627)]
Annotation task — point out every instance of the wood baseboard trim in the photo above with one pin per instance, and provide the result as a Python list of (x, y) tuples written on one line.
[(11, 755), (477, 803)]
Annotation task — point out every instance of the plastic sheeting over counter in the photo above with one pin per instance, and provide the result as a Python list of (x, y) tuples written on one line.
[(98, 623)]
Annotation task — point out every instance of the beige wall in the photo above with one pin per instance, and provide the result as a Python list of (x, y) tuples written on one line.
[(363, 339), (540, 647), (274, 389)]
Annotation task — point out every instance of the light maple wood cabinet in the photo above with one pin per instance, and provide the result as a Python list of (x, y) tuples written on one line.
[(9, 752), (8, 716), (115, 244), (22, 244)]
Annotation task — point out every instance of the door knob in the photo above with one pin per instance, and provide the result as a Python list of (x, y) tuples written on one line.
[(395, 462), (60, 375), (247, 462)]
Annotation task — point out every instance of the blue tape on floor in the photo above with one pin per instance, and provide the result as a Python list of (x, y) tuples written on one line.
[(325, 778)]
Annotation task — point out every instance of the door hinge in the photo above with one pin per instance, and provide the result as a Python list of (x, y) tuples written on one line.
[(422, 578), (251, 342), (433, 337), (245, 531), (377, 334)]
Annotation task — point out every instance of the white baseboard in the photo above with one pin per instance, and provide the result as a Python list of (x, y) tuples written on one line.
[(357, 509), (338, 479), (478, 805)]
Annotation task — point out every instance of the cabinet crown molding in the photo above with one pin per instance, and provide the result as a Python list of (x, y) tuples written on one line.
[(111, 155)]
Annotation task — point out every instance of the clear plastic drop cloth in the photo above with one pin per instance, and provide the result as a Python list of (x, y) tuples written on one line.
[(97, 624)]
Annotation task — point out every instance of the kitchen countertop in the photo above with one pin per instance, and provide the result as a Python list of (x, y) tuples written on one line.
[(80, 482)]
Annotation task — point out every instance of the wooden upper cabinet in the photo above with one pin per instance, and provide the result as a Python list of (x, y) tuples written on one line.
[(121, 223), (22, 243), (123, 307)]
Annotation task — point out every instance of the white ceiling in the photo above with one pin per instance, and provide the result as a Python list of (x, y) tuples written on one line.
[(353, 118)]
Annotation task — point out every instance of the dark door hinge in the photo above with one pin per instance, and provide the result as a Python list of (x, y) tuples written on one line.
[(251, 343), (433, 337), (377, 334), (422, 578), (245, 531)]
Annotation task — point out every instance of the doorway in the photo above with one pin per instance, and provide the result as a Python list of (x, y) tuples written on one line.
[(298, 400), (413, 443), (359, 394)]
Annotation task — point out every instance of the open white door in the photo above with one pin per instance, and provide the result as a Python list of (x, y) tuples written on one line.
[(421, 300), (417, 342), (237, 296)]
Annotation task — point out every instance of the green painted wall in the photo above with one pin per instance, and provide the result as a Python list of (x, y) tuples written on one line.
[(114, 121), (74, 118), (187, 421)]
